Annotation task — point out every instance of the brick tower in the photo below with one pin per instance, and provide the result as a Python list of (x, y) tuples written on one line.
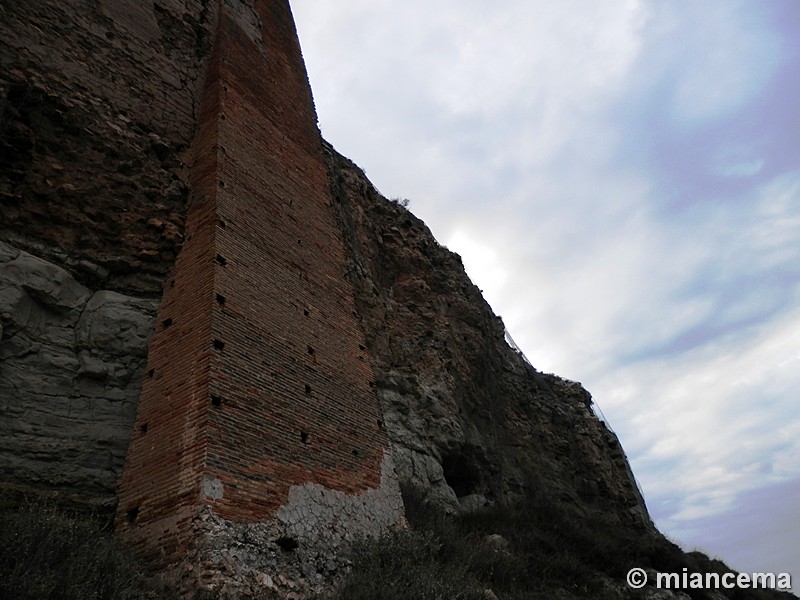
[(258, 383)]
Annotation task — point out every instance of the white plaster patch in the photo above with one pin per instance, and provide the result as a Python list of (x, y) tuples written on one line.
[(242, 560), (211, 488), (314, 512)]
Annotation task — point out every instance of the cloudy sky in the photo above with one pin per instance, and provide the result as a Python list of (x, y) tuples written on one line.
[(622, 179)]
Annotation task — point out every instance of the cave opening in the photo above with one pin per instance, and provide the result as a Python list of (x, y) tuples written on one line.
[(461, 474)]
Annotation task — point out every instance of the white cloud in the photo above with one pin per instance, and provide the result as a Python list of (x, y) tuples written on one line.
[(481, 262), (713, 422), (737, 161), (510, 80), (720, 53), (778, 213)]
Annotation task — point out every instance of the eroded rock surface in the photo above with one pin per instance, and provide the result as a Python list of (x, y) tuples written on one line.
[(469, 420), (97, 106), (70, 372)]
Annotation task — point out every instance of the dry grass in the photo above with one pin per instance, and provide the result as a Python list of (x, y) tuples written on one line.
[(48, 553), (555, 550)]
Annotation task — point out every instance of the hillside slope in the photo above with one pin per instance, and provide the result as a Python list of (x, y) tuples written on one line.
[(469, 419)]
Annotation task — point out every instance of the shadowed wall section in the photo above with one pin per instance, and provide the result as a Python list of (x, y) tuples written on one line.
[(98, 106), (258, 381)]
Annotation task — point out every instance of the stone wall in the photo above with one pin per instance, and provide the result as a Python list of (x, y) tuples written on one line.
[(294, 368), (259, 394), (135, 133), (299, 553)]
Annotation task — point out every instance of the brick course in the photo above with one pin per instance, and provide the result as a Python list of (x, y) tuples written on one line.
[(258, 376)]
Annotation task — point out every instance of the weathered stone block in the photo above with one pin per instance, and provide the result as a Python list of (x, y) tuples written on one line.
[(115, 325), (71, 364)]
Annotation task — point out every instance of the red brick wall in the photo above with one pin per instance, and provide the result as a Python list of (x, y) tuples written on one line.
[(261, 380), (168, 448)]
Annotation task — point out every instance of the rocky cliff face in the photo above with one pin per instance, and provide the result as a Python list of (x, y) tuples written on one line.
[(97, 106), (97, 109), (470, 421), (71, 362)]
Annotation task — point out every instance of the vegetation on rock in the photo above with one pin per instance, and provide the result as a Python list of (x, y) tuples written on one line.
[(539, 548), (50, 553)]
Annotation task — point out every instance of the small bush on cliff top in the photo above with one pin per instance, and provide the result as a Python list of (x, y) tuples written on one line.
[(47, 553)]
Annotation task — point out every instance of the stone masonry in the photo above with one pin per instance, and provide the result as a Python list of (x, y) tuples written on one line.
[(258, 383), (190, 279)]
